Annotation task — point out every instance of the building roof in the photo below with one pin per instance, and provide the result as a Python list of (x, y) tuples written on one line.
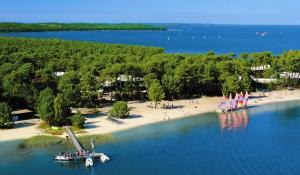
[(260, 68), (59, 74), (292, 75), (264, 80), (22, 111)]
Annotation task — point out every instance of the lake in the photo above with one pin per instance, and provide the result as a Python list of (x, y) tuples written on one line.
[(192, 38), (263, 140)]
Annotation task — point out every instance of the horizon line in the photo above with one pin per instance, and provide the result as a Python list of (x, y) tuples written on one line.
[(159, 23)]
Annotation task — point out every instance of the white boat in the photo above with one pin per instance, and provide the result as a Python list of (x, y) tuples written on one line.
[(103, 158), (63, 158), (89, 162)]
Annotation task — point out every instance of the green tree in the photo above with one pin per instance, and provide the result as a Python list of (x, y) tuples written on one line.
[(211, 85), (148, 79), (78, 120), (231, 84), (112, 73), (189, 78), (156, 92), (5, 115), (61, 110), (45, 105), (68, 85), (89, 87), (170, 84), (18, 84), (119, 110), (246, 83)]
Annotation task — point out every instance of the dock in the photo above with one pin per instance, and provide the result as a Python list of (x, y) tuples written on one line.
[(81, 152), (73, 139)]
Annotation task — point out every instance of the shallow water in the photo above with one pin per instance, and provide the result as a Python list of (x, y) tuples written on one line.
[(193, 38), (264, 140)]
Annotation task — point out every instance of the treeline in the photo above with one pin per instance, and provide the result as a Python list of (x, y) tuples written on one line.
[(43, 27), (28, 80)]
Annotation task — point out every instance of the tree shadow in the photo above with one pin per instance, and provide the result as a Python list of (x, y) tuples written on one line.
[(23, 125), (90, 125), (173, 107), (116, 121), (133, 116), (258, 97), (99, 114)]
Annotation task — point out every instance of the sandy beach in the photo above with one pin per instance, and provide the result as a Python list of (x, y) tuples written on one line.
[(143, 113)]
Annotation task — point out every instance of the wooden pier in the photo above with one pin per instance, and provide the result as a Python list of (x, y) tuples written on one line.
[(73, 139), (81, 152)]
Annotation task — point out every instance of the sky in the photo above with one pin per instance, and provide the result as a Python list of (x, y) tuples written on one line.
[(282, 12)]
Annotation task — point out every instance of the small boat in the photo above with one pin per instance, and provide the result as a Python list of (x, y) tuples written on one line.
[(103, 158), (263, 34), (64, 158), (89, 161)]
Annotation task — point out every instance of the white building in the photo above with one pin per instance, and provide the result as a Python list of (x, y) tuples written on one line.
[(261, 68), (59, 74), (291, 75)]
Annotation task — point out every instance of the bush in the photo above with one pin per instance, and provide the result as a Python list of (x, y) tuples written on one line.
[(119, 110), (78, 120)]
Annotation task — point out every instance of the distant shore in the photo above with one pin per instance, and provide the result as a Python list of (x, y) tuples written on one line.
[(8, 27), (143, 113)]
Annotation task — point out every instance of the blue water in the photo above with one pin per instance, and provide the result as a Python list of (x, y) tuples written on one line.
[(193, 38), (263, 141)]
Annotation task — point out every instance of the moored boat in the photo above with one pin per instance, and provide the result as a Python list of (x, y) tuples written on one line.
[(89, 161), (64, 157), (239, 102)]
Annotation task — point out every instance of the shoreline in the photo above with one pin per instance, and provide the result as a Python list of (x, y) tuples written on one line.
[(265, 98), (142, 114)]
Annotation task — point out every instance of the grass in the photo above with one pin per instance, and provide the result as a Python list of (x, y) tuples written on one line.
[(42, 141), (99, 139), (78, 130), (46, 141), (49, 130)]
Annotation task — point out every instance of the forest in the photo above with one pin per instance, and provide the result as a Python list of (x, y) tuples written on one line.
[(29, 79), (6, 27)]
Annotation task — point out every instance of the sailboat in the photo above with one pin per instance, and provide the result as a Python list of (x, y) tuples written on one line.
[(239, 102), (245, 100)]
